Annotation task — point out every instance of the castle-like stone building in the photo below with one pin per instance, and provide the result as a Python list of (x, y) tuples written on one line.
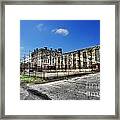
[(49, 59)]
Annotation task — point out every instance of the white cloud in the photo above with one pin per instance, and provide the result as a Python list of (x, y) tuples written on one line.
[(61, 31), (40, 27)]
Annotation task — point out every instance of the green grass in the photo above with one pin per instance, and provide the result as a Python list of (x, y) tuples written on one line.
[(31, 79)]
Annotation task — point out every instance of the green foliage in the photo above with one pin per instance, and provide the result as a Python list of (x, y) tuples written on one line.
[(32, 79)]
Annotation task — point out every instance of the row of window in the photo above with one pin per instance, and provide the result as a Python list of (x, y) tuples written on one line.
[(97, 58)]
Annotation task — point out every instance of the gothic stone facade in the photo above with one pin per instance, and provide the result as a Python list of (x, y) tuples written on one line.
[(49, 59)]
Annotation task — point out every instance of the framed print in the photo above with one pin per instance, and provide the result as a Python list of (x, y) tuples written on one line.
[(59, 59)]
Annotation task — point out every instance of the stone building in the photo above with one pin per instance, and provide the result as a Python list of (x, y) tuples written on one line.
[(49, 59), (45, 58), (87, 58)]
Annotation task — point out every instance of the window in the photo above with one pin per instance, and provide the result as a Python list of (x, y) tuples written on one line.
[(84, 64), (58, 59), (84, 54), (53, 60), (97, 55)]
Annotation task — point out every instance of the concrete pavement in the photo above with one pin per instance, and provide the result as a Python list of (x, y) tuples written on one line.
[(78, 88)]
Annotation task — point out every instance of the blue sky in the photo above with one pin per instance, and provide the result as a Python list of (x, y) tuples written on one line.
[(66, 34)]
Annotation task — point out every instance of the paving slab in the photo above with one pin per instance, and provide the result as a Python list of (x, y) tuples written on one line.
[(78, 88)]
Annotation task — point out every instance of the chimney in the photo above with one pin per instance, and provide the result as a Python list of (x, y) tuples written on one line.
[(45, 48), (60, 50), (36, 49), (55, 50), (50, 49)]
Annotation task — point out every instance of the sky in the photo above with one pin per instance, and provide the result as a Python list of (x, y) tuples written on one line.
[(66, 34)]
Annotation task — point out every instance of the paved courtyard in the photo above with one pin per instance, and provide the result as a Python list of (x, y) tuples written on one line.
[(86, 87)]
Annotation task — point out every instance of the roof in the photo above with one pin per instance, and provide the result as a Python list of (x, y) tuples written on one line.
[(91, 47)]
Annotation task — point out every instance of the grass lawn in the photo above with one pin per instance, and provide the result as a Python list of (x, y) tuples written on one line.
[(31, 79)]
